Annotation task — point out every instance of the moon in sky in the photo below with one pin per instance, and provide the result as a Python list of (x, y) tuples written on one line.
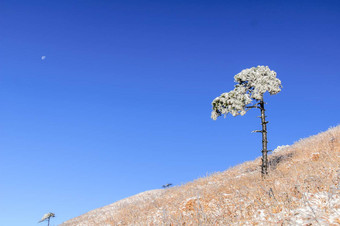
[(43, 57)]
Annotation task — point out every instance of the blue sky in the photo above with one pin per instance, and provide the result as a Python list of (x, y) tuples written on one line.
[(121, 103)]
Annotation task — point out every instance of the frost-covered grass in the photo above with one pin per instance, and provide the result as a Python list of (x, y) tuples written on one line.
[(303, 188)]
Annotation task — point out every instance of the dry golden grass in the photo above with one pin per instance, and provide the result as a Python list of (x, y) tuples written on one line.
[(303, 187)]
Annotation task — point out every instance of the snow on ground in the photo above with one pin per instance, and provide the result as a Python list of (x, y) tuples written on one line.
[(102, 213), (280, 148)]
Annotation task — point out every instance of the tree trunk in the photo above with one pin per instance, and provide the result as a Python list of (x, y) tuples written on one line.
[(264, 165)]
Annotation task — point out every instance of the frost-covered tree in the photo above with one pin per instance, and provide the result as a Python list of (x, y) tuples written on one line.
[(47, 217), (251, 84)]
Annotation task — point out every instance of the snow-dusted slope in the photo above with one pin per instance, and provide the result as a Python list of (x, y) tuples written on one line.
[(100, 215), (303, 188)]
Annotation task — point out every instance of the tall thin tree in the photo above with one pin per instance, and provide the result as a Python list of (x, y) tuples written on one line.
[(251, 85)]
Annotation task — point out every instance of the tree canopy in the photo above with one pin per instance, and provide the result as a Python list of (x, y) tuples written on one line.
[(251, 84)]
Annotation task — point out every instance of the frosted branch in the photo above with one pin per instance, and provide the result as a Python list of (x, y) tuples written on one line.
[(252, 84)]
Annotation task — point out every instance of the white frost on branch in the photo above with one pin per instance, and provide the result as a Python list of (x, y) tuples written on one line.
[(252, 84), (233, 102), (259, 80), (47, 216)]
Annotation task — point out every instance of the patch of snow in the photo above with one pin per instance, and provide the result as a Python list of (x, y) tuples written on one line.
[(280, 148)]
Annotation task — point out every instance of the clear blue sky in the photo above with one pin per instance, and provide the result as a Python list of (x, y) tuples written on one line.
[(121, 104)]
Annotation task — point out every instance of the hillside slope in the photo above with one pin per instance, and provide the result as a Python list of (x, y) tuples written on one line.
[(303, 186)]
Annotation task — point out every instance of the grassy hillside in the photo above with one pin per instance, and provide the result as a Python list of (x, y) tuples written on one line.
[(303, 187)]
